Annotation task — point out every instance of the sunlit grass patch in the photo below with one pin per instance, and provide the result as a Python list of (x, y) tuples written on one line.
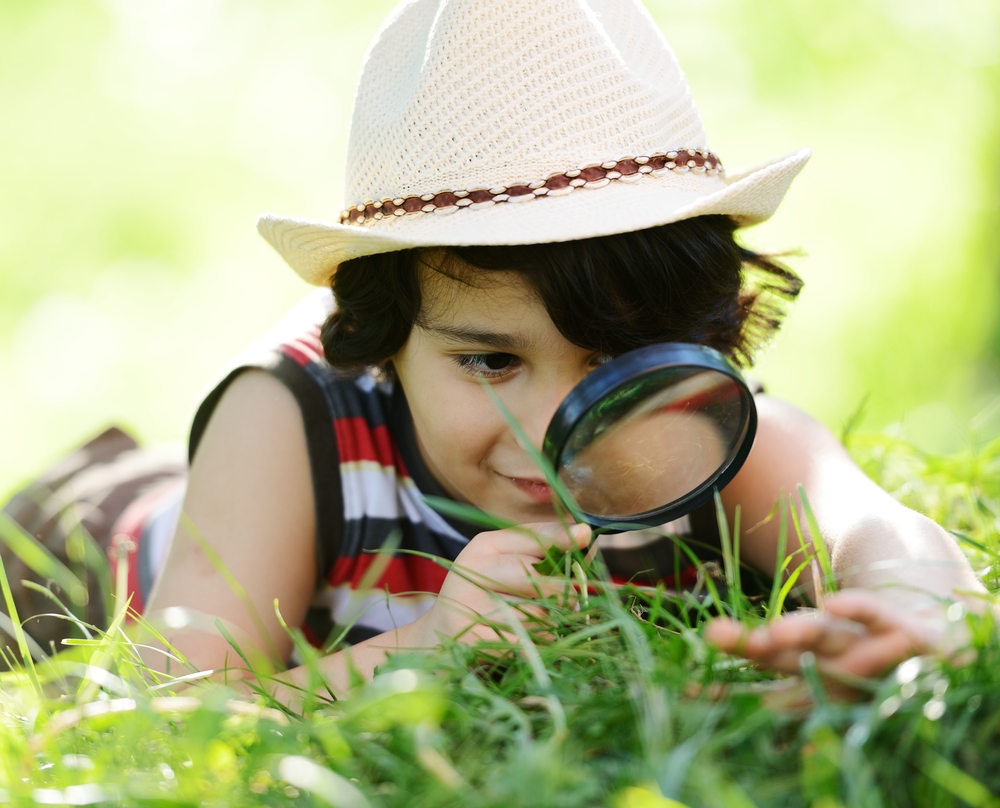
[(608, 697)]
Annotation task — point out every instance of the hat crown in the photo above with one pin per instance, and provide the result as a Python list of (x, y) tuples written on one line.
[(462, 94)]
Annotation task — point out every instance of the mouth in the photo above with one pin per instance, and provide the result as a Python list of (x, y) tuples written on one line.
[(537, 490)]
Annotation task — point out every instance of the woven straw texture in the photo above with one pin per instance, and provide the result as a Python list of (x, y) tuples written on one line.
[(468, 94)]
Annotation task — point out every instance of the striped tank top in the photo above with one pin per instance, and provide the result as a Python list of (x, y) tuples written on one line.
[(377, 540)]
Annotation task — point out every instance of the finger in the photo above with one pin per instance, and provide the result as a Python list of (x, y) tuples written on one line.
[(781, 643), (877, 655), (762, 642), (510, 574), (728, 635), (822, 633), (555, 534), (534, 539), (880, 617), (493, 618), (757, 646)]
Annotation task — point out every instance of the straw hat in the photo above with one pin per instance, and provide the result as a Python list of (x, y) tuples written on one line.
[(521, 122)]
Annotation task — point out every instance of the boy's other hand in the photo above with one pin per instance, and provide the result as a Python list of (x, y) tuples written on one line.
[(499, 562), (858, 634)]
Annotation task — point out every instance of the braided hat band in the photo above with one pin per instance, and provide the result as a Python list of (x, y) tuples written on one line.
[(471, 107), (596, 176)]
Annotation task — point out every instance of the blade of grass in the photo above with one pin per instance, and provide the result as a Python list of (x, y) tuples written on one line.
[(104, 653), (819, 546), (122, 549), (40, 559), (354, 610), (730, 561), (48, 593), (557, 485), (780, 562), (259, 687), (811, 562), (190, 677), (309, 657), (788, 585), (94, 558), (957, 782), (467, 513), (19, 635), (850, 426), (8, 627), (737, 576), (727, 548)]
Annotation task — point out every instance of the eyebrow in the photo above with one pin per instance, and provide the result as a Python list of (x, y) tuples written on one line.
[(475, 336)]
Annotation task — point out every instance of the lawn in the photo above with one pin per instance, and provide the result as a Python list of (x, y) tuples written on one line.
[(615, 700)]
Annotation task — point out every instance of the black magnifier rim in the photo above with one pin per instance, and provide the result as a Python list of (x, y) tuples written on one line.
[(625, 369)]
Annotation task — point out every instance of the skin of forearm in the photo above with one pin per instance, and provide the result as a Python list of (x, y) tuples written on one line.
[(336, 668), (906, 557), (211, 652)]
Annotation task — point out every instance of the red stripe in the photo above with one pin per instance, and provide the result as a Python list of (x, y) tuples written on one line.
[(308, 344), (129, 528), (688, 579), (405, 573), (294, 353), (304, 348), (704, 398), (357, 441)]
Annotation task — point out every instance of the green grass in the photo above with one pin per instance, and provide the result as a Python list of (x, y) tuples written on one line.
[(616, 700)]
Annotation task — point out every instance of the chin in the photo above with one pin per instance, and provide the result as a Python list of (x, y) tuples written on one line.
[(532, 513)]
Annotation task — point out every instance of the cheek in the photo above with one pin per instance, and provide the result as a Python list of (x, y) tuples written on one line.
[(458, 426)]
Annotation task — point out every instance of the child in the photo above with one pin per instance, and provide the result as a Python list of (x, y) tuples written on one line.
[(529, 193)]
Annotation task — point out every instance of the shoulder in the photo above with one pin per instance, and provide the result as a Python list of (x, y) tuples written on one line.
[(257, 421), (790, 443), (791, 448), (785, 429)]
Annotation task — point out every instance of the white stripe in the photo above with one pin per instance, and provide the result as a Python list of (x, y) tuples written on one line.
[(374, 610), (419, 511), (371, 490), (160, 529)]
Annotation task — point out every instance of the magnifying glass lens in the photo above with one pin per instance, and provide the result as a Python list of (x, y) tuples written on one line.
[(653, 441)]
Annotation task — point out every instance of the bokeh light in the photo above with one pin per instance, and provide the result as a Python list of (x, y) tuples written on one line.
[(140, 140)]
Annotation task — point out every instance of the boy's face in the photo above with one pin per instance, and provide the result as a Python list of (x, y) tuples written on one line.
[(495, 330)]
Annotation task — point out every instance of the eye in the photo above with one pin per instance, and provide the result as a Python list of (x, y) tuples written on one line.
[(488, 365)]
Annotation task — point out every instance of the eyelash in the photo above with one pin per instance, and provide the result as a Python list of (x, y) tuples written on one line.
[(475, 364)]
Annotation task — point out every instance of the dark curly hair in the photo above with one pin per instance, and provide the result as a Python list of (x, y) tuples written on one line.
[(689, 281)]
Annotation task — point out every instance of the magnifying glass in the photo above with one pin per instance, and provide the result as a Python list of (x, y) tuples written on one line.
[(649, 436)]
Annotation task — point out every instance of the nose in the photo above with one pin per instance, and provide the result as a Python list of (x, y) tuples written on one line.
[(542, 405)]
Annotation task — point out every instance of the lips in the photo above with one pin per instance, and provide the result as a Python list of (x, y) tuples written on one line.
[(537, 490)]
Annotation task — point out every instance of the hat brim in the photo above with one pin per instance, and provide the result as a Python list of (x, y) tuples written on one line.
[(315, 249)]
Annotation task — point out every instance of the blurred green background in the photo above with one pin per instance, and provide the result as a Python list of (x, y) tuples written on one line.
[(139, 139)]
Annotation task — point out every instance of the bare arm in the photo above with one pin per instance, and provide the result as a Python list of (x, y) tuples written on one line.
[(873, 540), (250, 497), (895, 568)]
